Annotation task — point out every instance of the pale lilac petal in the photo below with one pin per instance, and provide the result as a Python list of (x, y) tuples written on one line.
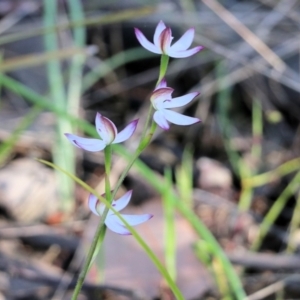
[(165, 40), (185, 53), (159, 28), (160, 119), (180, 101), (134, 220), (106, 129), (161, 105), (112, 223), (160, 95), (126, 133), (179, 119), (122, 202), (185, 41), (88, 144), (145, 43), (93, 201), (161, 84)]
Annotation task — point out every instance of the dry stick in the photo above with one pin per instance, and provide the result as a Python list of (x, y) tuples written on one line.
[(46, 274), (293, 15), (20, 12), (266, 261), (273, 18), (32, 60), (272, 58), (255, 65), (264, 27), (273, 288), (267, 291), (127, 14), (13, 231), (244, 72)]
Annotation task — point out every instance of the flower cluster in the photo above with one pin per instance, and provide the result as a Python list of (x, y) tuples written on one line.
[(162, 102), (161, 97)]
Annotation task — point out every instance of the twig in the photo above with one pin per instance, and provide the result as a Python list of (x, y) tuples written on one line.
[(263, 261), (273, 288), (255, 42)]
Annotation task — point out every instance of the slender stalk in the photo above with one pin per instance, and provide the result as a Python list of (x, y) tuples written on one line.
[(100, 232), (88, 260), (162, 72), (149, 114), (107, 163), (164, 60), (145, 138), (144, 142)]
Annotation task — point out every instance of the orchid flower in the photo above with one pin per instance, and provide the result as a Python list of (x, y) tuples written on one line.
[(162, 42), (162, 100), (108, 135), (112, 221)]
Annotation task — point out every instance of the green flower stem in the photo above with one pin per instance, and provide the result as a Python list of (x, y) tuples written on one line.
[(101, 229), (88, 260), (107, 162), (145, 141), (164, 61), (162, 72), (149, 114), (145, 138), (264, 178), (275, 210)]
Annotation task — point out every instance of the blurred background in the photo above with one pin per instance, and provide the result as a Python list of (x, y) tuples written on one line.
[(238, 170)]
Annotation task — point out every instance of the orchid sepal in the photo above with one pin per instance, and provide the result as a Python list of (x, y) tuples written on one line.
[(162, 42), (112, 221), (162, 100), (107, 132)]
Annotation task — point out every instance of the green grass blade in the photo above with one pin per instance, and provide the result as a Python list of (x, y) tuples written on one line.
[(169, 225), (184, 177), (77, 61), (275, 210), (63, 152), (223, 102), (294, 226)]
